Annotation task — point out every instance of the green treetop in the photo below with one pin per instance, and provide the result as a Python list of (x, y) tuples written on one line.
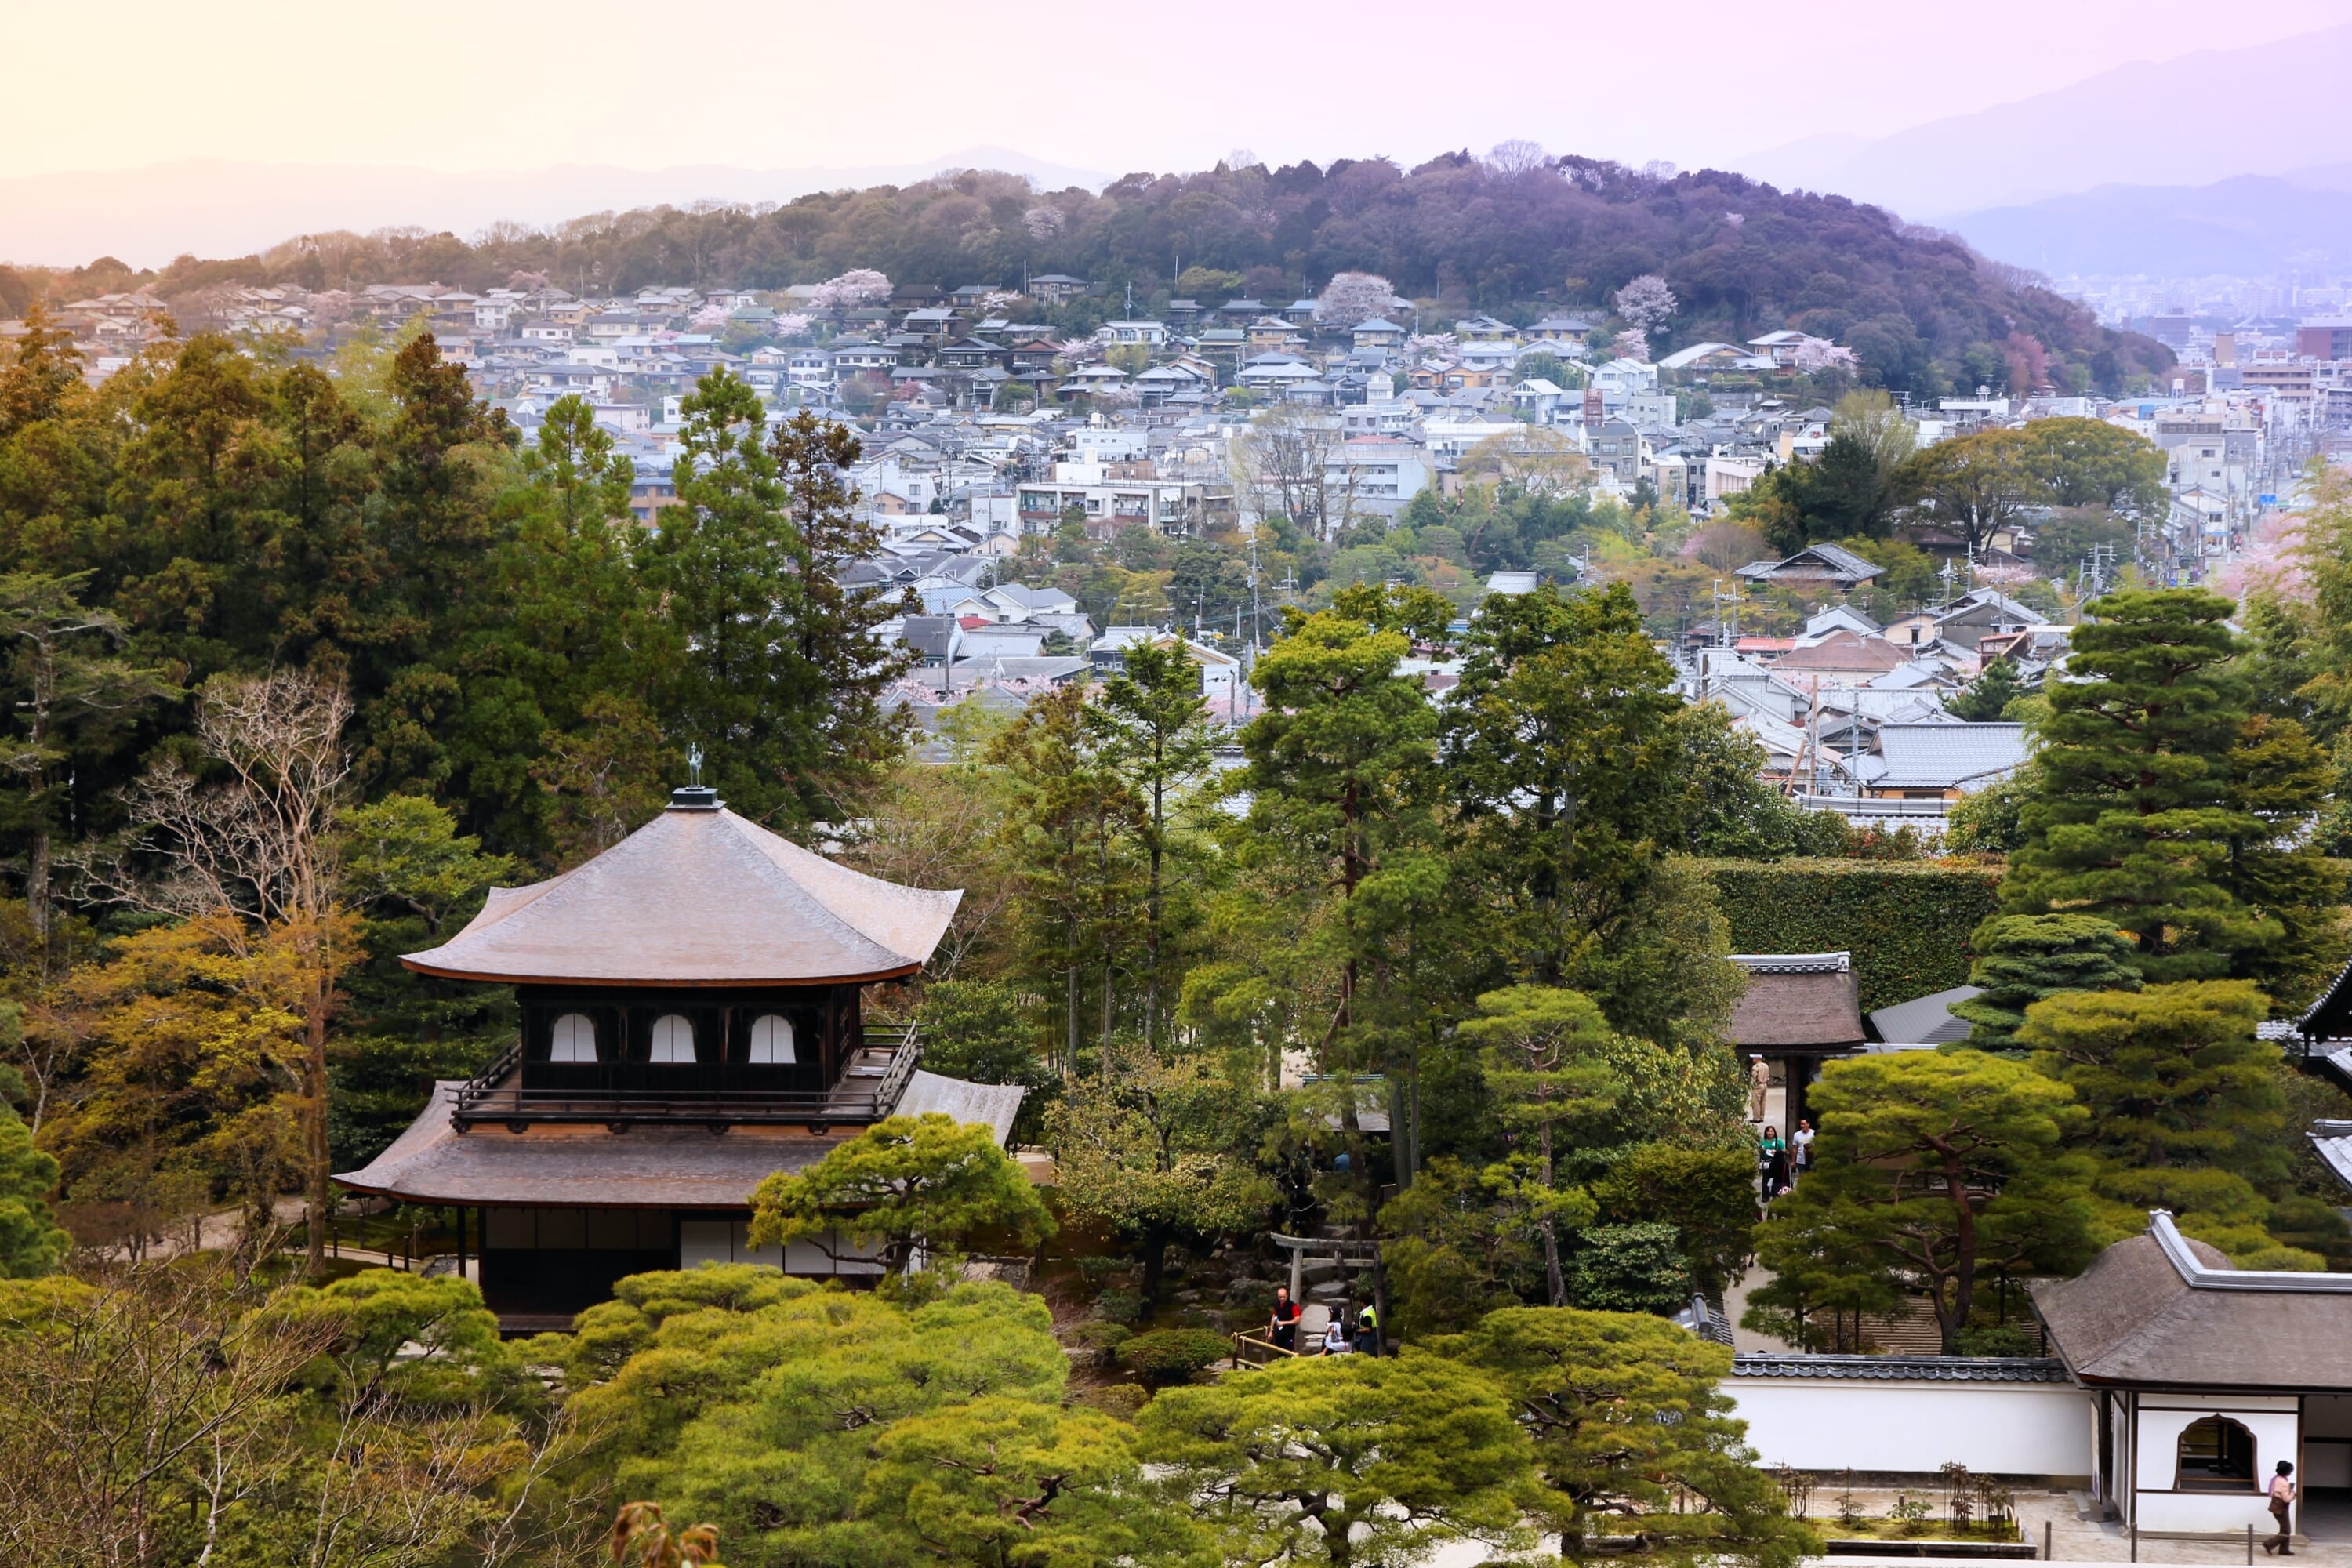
[(1543, 1069), (905, 1182), (784, 689), (2021, 959), (2133, 819)]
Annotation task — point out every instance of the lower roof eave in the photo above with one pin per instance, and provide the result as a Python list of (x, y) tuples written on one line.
[(475, 1200)]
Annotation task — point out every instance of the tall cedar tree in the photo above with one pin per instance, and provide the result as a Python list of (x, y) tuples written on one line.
[(1343, 761), (1072, 842), (1539, 1048), (1153, 726), (782, 685)]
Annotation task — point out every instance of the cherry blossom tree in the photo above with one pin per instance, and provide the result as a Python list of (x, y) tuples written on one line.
[(1351, 298), (1814, 355), (1646, 303), (859, 286)]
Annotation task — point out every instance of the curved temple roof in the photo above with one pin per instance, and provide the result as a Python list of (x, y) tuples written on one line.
[(698, 896)]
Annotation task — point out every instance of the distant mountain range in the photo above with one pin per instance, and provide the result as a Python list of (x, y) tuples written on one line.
[(210, 206), (2187, 123), (2254, 225)]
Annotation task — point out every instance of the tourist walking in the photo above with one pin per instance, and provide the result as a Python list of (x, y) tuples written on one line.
[(2281, 1509), (1367, 1332), (1772, 1163), (1801, 1149), (1283, 1330)]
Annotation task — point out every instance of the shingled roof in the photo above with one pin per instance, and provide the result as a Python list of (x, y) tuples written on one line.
[(1804, 1000), (2162, 1310), (699, 896)]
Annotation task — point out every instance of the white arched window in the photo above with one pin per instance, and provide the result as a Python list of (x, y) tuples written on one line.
[(673, 1038), (772, 1041), (574, 1039)]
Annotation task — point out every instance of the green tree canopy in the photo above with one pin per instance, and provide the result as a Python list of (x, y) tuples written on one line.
[(1635, 1446), (2134, 815), (2021, 959), (1357, 1461), (905, 1182), (1929, 1170)]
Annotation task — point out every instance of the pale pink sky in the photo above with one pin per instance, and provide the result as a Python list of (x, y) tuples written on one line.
[(482, 85)]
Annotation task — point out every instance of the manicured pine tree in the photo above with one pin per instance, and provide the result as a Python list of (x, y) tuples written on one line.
[(2021, 959)]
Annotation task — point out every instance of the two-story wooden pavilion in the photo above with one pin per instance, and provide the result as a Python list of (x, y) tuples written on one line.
[(691, 1021)]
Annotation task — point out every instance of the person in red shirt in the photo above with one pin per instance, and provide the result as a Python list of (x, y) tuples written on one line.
[(1283, 1328)]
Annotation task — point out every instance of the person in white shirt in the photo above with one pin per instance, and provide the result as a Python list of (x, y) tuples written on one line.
[(1800, 1148), (1334, 1339)]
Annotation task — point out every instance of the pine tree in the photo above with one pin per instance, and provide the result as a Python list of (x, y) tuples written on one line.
[(2134, 816), (2021, 959), (1988, 697)]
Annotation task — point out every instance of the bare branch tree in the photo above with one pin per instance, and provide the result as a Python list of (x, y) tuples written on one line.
[(258, 842)]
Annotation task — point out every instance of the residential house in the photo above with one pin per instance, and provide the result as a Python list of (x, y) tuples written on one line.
[(1823, 566), (1485, 330), (1375, 474), (1056, 288)]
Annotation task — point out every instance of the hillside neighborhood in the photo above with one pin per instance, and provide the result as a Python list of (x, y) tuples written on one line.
[(1151, 922)]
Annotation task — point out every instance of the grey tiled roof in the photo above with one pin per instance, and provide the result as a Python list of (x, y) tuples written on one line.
[(1943, 755), (1901, 1368), (1925, 1020)]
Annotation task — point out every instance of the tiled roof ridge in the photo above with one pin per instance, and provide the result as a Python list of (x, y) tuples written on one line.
[(1794, 963), (1928, 1368)]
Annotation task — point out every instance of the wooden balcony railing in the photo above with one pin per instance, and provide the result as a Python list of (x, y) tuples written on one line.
[(871, 1083)]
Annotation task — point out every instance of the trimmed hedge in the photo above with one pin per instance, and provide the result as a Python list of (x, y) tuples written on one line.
[(1905, 923)]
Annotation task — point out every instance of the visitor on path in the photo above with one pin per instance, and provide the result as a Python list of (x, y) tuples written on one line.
[(1800, 1148), (1335, 1338), (2281, 1509), (1367, 1332), (1759, 1084), (1772, 1163), (1284, 1327)]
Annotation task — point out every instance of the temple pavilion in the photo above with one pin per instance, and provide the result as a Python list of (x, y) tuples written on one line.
[(692, 1019)]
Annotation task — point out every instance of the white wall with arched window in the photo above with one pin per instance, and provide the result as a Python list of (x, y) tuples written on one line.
[(673, 1038), (573, 1039), (772, 1041), (2202, 1459)]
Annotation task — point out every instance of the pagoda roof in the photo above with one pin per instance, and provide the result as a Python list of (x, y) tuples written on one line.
[(699, 896)]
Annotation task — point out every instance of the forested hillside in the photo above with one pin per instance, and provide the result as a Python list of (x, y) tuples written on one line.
[(1926, 313)]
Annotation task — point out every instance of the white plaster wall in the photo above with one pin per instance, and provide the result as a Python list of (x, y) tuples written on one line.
[(1997, 1429), (2272, 1423)]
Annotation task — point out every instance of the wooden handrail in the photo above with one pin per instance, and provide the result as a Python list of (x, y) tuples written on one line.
[(1241, 1339)]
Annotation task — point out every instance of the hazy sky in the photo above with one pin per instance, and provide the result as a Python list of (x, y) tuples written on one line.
[(522, 84)]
